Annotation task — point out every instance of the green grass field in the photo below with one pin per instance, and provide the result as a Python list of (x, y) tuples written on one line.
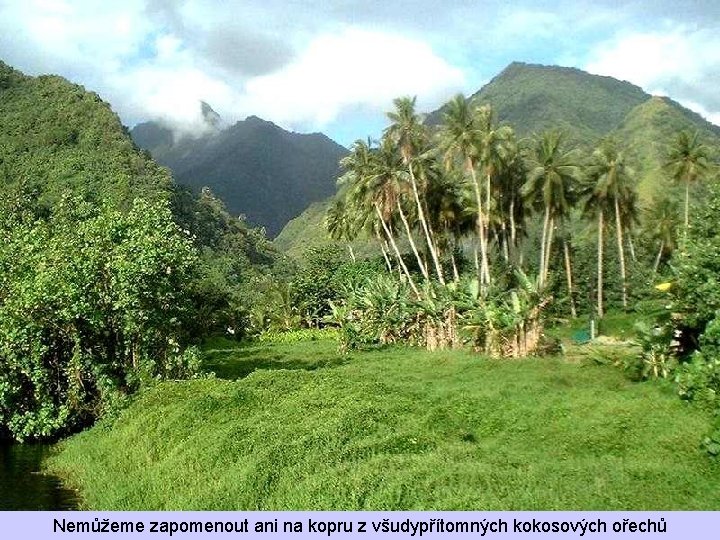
[(305, 428)]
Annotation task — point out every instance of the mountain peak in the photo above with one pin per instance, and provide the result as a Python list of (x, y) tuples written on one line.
[(209, 115)]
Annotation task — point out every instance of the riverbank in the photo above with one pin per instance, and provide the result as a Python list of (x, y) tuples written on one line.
[(304, 428)]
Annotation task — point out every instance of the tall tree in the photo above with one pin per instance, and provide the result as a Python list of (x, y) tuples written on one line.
[(495, 143), (371, 192), (610, 186), (459, 141), (553, 175), (410, 135), (661, 223), (687, 161)]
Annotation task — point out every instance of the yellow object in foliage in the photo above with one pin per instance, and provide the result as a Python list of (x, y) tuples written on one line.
[(663, 287)]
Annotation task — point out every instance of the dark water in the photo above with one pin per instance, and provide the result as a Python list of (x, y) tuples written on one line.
[(22, 487)]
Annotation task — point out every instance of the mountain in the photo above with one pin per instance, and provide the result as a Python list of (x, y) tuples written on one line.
[(257, 168), (533, 98), (586, 107)]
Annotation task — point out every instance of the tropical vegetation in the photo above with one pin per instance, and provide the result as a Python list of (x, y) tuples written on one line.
[(446, 332)]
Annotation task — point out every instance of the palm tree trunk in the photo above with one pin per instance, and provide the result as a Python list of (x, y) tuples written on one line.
[(513, 232), (423, 269), (483, 273), (687, 207), (487, 220), (506, 250), (543, 241), (621, 252), (600, 265), (659, 256), (456, 275), (384, 248), (423, 222), (397, 251), (631, 245), (548, 249), (568, 275)]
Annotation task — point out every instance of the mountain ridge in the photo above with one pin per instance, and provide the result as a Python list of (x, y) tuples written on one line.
[(260, 170)]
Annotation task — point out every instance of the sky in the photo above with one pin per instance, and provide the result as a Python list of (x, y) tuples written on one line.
[(335, 66)]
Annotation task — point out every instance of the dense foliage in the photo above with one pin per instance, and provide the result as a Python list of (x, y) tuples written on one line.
[(92, 301), (108, 270)]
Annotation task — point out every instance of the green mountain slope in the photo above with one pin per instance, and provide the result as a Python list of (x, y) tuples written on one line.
[(260, 170), (647, 133), (532, 98), (55, 137)]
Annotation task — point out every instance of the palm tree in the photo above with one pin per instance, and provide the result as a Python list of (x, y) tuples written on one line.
[(662, 221), (511, 209), (687, 161), (388, 171), (610, 186), (371, 192), (448, 207), (495, 143), (410, 135), (459, 140), (339, 222), (553, 173)]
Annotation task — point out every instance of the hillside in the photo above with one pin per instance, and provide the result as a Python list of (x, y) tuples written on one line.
[(647, 132), (532, 98), (258, 169), (57, 137)]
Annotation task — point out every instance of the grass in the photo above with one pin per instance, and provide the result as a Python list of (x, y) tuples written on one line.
[(300, 427)]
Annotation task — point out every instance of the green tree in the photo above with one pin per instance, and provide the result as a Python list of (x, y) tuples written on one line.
[(410, 136), (459, 141), (553, 175), (610, 187), (92, 303), (687, 162)]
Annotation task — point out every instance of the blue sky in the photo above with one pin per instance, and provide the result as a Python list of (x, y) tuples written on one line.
[(336, 66)]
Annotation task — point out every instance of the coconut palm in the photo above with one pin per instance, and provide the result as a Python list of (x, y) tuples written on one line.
[(687, 161), (610, 180), (495, 148), (459, 141), (662, 222), (410, 136), (553, 175), (372, 193), (340, 223), (389, 171), (510, 209)]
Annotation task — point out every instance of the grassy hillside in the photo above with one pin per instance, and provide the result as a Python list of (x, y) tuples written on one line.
[(308, 231), (396, 429), (647, 133)]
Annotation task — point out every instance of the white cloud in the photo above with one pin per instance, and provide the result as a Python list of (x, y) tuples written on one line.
[(682, 63), (151, 65), (354, 67)]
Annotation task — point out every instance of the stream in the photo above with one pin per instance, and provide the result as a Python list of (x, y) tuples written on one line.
[(22, 487)]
